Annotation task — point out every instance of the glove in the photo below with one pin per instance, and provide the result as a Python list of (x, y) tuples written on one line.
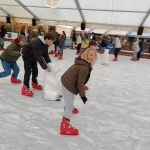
[(84, 99)]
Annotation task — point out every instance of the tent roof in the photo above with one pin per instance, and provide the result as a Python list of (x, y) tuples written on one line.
[(105, 12), (134, 34), (116, 32), (99, 31)]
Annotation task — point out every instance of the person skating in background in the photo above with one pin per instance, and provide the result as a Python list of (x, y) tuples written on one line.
[(144, 44), (117, 47), (9, 58), (61, 45), (2, 35), (136, 49), (93, 36), (79, 43), (33, 52), (103, 46), (56, 44), (93, 45), (73, 81), (51, 48), (141, 46), (73, 39)]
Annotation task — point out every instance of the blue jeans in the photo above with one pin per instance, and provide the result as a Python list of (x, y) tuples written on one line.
[(61, 50), (1, 42), (7, 69), (103, 49), (142, 52), (134, 55)]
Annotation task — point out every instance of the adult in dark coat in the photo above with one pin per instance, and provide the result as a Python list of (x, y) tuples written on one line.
[(36, 51), (93, 36), (140, 45), (2, 35), (74, 38)]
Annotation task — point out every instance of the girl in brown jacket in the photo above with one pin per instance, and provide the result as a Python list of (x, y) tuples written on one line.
[(73, 81)]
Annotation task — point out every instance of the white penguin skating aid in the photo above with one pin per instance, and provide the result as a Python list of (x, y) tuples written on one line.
[(105, 57), (51, 90)]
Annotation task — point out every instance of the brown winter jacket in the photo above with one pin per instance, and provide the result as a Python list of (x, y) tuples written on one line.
[(76, 77), (136, 47)]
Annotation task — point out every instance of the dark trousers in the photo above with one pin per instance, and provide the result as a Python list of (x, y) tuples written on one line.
[(116, 52), (29, 67), (138, 54), (1, 42), (78, 48)]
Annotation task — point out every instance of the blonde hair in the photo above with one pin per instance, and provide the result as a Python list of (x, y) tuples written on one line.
[(84, 55)]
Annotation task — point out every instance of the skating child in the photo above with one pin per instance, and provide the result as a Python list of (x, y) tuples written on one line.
[(9, 58), (35, 52), (56, 44), (79, 43), (61, 45), (117, 48), (73, 81)]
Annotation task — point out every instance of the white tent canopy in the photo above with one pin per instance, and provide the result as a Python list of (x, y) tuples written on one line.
[(116, 32), (131, 13), (99, 31)]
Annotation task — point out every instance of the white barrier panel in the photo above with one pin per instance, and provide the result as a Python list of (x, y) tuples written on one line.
[(11, 35)]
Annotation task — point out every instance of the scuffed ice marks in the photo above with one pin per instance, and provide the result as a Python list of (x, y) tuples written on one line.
[(115, 117)]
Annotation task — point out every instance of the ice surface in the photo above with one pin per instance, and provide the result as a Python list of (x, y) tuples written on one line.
[(115, 117)]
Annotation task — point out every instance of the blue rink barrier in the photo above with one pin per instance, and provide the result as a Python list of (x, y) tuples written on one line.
[(110, 46), (68, 42)]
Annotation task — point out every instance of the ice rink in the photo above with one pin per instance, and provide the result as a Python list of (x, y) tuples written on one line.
[(115, 117)]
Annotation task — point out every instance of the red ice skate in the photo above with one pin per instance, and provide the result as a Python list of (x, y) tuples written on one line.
[(67, 129), (74, 110), (115, 59), (37, 86), (51, 53), (77, 53), (55, 55), (14, 80), (86, 88), (26, 91), (134, 59), (60, 57)]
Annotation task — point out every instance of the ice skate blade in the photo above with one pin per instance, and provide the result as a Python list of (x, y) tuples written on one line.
[(75, 112), (27, 95), (58, 99), (64, 133), (46, 98), (59, 96), (37, 88)]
